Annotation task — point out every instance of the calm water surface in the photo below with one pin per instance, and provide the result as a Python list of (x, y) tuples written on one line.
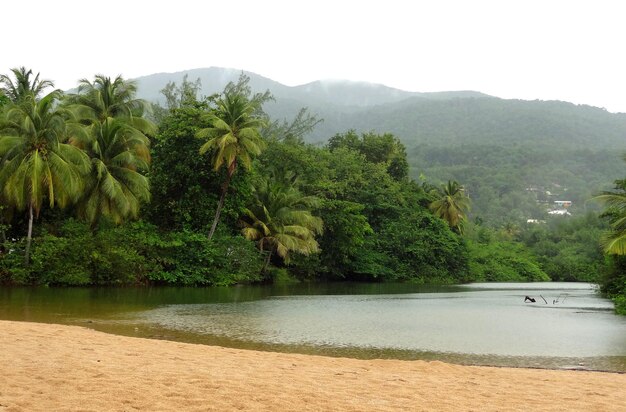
[(569, 325)]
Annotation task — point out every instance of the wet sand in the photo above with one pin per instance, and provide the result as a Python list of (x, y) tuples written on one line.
[(47, 367)]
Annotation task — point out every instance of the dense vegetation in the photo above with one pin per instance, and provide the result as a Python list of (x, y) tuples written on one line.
[(75, 171), (99, 189)]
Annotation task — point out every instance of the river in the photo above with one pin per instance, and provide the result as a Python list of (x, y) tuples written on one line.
[(569, 325)]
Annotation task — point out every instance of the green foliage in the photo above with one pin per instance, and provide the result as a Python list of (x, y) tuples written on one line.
[(614, 241), (452, 205), (188, 258), (376, 227), (385, 149), (136, 253), (280, 218), (345, 234), (115, 139), (567, 249), (503, 262), (515, 181), (21, 87), (420, 247), (184, 190), (234, 133), (620, 304), (37, 162)]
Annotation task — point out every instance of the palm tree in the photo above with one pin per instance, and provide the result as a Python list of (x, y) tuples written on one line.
[(105, 99), (233, 137), (36, 162), (117, 144), (17, 90), (280, 220), (116, 186), (614, 242), (452, 205)]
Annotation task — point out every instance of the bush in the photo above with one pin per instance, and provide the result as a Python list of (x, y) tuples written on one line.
[(136, 253), (503, 262)]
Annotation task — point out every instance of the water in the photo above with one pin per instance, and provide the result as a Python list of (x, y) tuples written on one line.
[(487, 324)]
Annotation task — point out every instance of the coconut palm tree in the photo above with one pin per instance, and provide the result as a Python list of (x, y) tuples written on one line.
[(233, 138), (105, 99), (280, 220), (452, 205), (36, 163), (117, 143), (614, 241), (116, 186), (23, 86)]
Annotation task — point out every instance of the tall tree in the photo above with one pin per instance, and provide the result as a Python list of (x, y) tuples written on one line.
[(234, 136), (18, 89), (37, 162), (118, 145), (452, 205), (280, 220)]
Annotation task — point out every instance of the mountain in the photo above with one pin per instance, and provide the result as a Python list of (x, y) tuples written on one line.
[(514, 156), (416, 117)]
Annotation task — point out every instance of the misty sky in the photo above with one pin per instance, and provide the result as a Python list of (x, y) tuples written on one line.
[(550, 49)]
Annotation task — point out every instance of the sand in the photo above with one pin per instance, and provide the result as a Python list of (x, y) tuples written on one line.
[(47, 367)]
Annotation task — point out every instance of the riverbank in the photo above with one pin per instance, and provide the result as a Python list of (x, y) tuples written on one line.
[(54, 367)]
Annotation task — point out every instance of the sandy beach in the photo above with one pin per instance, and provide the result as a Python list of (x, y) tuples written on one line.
[(47, 367)]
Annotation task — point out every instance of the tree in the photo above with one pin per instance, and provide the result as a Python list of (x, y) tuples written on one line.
[(117, 143), (614, 241), (184, 95), (386, 149), (234, 136), (105, 99), (22, 87), (452, 205), (116, 186), (184, 191), (280, 220), (36, 161), (294, 131)]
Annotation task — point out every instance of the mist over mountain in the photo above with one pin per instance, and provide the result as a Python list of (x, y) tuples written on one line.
[(498, 148)]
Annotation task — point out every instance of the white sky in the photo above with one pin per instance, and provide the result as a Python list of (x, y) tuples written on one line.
[(548, 49)]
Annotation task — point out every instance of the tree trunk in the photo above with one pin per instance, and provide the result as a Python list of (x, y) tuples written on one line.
[(30, 235), (267, 262), (220, 205)]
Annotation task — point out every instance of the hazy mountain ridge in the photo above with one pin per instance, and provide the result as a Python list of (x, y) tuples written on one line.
[(466, 116)]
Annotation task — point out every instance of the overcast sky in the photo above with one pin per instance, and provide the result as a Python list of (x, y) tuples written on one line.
[(548, 49)]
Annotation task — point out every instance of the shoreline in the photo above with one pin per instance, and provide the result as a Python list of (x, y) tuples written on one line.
[(59, 367)]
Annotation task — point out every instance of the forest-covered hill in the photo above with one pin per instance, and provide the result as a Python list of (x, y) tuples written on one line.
[(515, 157)]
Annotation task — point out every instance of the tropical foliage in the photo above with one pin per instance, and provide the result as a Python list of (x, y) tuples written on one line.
[(233, 136), (614, 243), (116, 141), (22, 86), (37, 162), (133, 202), (280, 219), (451, 205)]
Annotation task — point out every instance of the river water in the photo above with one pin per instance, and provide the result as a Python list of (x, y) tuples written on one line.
[(568, 326)]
